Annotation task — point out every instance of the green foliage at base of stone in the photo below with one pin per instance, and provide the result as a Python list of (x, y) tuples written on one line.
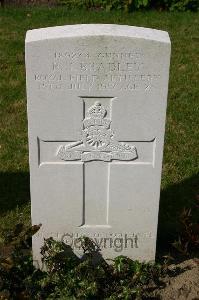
[(68, 277), (131, 5)]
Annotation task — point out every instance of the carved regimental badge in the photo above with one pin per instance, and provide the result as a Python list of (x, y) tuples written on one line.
[(97, 140)]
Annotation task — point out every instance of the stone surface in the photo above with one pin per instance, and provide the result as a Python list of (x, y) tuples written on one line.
[(97, 99)]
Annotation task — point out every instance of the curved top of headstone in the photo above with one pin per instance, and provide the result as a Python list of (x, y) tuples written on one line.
[(82, 30)]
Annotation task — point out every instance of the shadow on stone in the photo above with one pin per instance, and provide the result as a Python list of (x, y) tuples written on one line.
[(15, 192)]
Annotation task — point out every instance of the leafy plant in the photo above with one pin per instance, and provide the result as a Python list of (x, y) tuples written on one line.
[(16, 263), (131, 5), (68, 277), (188, 240), (182, 5)]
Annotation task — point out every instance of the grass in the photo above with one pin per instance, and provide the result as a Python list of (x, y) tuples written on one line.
[(180, 168)]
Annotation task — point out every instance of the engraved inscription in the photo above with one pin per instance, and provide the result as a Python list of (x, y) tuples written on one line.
[(104, 55), (98, 141), (59, 81), (82, 70)]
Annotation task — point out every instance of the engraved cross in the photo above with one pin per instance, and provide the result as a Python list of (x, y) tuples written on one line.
[(97, 150)]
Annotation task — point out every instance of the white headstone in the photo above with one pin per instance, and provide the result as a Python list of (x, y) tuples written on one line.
[(97, 98)]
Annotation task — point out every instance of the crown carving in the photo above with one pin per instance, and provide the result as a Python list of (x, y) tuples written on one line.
[(97, 111), (96, 116)]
